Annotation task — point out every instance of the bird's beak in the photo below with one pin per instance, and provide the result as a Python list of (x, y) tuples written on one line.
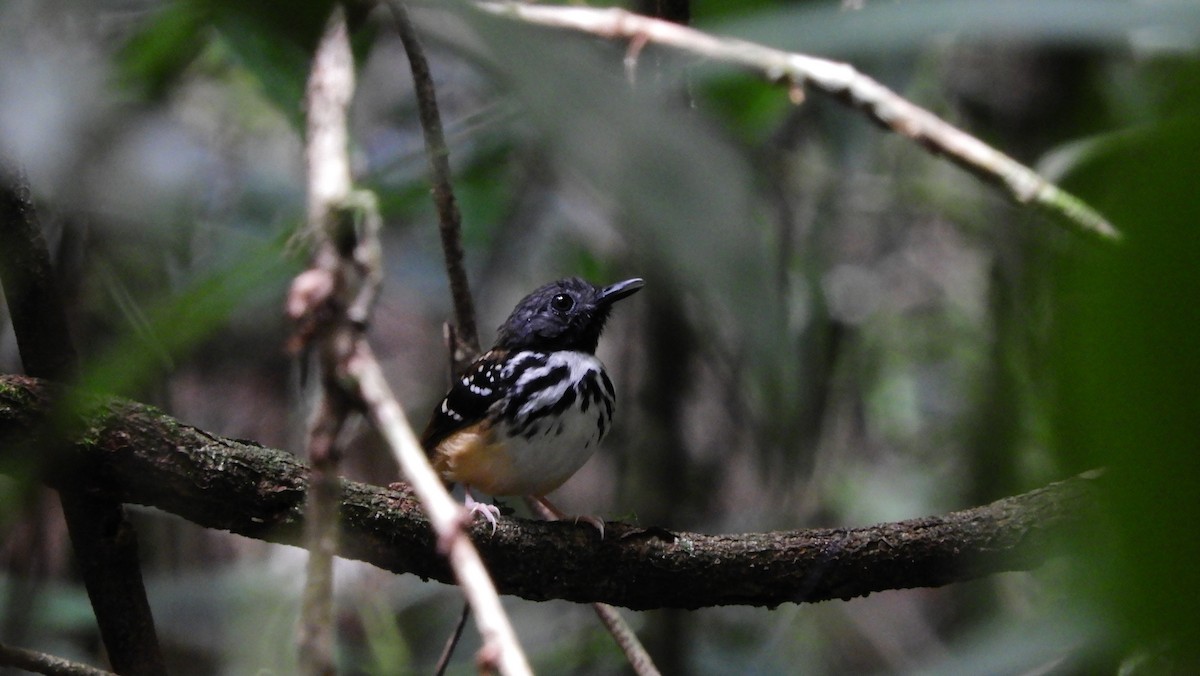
[(615, 292)]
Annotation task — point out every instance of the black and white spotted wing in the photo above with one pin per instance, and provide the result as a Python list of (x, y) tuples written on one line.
[(469, 399), (565, 395)]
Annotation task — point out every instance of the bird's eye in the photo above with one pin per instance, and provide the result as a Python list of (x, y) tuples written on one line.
[(562, 303)]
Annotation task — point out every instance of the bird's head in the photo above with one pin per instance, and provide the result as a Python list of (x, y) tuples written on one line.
[(565, 315)]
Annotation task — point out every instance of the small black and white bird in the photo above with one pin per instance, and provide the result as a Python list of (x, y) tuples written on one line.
[(531, 411)]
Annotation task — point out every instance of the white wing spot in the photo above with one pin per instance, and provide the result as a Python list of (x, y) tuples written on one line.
[(449, 411)]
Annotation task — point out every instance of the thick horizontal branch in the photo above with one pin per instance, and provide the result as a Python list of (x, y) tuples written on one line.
[(137, 454)]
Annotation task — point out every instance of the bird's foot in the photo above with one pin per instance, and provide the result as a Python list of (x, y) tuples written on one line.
[(473, 507), (593, 521), (552, 513)]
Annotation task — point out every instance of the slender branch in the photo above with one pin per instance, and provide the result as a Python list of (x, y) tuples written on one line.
[(839, 80), (41, 663), (135, 453), (316, 626), (104, 541), (466, 335)]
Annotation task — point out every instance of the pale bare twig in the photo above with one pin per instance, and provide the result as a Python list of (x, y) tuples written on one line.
[(316, 634), (623, 634), (839, 80)]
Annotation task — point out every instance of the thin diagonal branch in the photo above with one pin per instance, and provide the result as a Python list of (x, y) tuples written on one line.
[(137, 454), (104, 541), (466, 335), (839, 80)]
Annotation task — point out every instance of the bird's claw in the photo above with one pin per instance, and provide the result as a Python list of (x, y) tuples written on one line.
[(542, 505), (593, 521), (473, 507)]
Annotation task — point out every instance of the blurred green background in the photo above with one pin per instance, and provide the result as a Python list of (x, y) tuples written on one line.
[(837, 329)]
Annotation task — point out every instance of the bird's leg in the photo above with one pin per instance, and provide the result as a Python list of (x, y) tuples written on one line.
[(552, 513), (473, 506)]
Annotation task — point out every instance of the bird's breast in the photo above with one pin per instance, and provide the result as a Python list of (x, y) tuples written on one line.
[(556, 413)]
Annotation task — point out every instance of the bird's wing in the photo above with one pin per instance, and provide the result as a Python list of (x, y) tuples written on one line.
[(468, 400)]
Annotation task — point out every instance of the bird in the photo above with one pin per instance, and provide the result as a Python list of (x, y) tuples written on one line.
[(528, 413)]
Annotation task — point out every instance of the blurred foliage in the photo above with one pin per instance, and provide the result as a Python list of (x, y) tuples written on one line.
[(1128, 367), (837, 328), (272, 39), (175, 325)]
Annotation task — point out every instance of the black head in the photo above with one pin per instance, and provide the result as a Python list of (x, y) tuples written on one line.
[(565, 315)]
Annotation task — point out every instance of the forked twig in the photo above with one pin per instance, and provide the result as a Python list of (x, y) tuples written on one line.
[(466, 336)]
